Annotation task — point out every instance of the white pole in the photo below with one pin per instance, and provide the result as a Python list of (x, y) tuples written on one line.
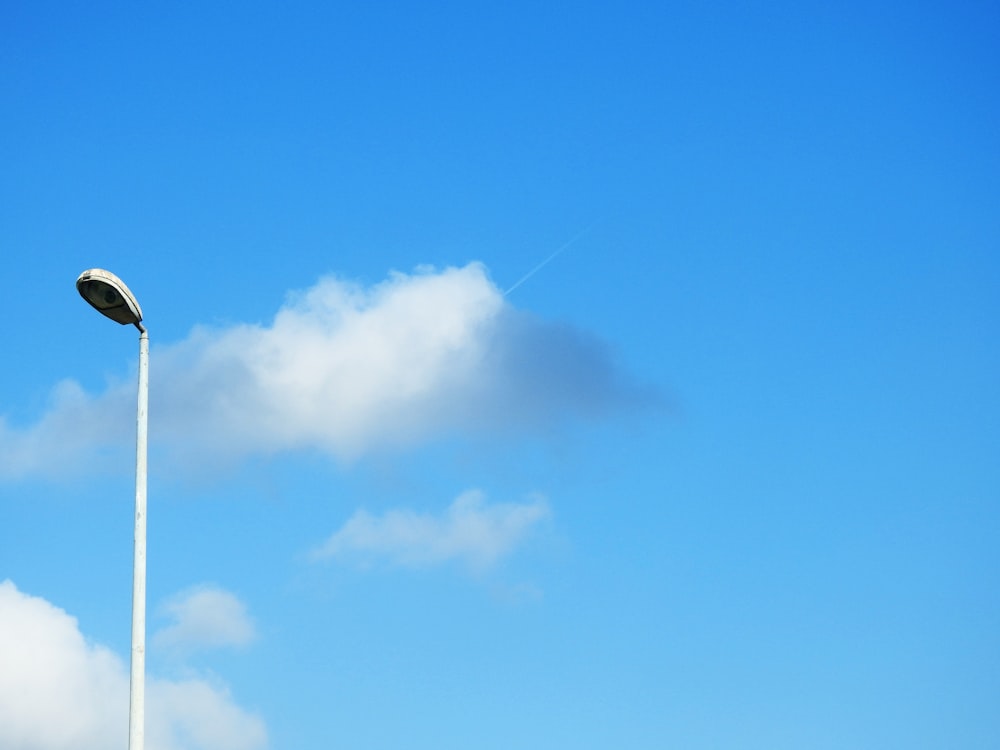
[(137, 687)]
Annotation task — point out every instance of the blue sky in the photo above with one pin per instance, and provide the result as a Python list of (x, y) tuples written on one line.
[(721, 473)]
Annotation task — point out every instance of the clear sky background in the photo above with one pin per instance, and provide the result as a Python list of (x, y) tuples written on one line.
[(722, 473)]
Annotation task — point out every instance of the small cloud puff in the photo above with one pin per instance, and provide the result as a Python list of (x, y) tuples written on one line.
[(471, 531), (205, 617)]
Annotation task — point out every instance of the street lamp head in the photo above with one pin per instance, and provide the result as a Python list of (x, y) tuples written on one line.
[(108, 294)]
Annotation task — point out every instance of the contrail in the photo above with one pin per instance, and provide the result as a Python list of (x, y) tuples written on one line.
[(539, 267)]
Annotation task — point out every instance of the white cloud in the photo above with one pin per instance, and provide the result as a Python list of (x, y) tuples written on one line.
[(196, 714), (343, 369), (60, 692), (205, 617), (78, 433), (470, 531)]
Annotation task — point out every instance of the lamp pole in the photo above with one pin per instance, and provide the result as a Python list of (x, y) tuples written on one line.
[(108, 294), (137, 681)]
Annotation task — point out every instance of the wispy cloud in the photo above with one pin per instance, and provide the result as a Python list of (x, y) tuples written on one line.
[(79, 433), (204, 617), (59, 691), (345, 369), (471, 531)]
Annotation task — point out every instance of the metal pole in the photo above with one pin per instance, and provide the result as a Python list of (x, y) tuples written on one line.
[(137, 686)]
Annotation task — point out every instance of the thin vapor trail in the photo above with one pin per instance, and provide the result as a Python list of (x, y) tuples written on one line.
[(539, 267)]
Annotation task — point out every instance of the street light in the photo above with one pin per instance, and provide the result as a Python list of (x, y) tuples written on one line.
[(108, 294)]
